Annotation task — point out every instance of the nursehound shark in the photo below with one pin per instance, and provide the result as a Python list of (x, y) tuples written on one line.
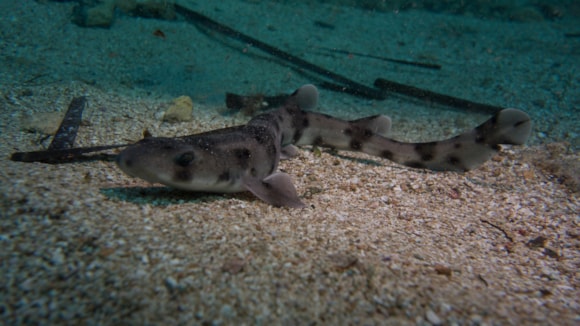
[(246, 157)]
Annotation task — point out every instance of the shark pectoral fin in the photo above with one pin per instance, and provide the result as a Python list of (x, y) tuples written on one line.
[(276, 189), (288, 151)]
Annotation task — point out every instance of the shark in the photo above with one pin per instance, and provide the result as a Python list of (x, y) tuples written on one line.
[(246, 157)]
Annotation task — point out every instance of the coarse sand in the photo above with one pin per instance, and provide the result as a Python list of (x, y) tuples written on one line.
[(377, 244)]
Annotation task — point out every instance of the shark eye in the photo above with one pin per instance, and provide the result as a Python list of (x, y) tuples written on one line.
[(184, 159)]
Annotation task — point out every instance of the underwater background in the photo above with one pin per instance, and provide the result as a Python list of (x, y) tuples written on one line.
[(379, 243), (521, 54)]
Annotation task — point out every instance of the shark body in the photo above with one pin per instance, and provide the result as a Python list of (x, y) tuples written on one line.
[(246, 157)]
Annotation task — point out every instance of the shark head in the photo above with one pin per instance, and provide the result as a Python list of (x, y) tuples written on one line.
[(175, 163)]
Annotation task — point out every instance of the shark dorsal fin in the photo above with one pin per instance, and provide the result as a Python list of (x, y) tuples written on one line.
[(377, 124), (306, 97)]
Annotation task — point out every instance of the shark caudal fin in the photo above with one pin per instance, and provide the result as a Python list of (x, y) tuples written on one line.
[(471, 149), (463, 152), (509, 126)]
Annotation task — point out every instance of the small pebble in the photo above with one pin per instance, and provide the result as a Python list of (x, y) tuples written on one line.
[(180, 110), (57, 257), (432, 317), (171, 283), (227, 312)]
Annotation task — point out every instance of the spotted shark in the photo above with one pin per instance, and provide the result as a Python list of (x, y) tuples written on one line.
[(246, 157)]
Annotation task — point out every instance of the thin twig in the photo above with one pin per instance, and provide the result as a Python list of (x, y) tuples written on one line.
[(499, 228), (423, 94), (404, 62)]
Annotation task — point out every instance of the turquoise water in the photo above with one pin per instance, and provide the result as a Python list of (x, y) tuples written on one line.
[(521, 54)]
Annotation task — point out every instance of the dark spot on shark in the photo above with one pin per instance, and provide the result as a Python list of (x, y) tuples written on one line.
[(387, 154), (456, 162), (243, 157), (184, 159), (457, 145), (299, 122), (367, 133), (355, 144), (426, 150), (224, 176), (361, 134), (128, 163), (242, 153), (453, 160), (318, 141)]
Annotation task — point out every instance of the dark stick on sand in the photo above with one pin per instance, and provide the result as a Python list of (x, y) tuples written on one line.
[(61, 148), (67, 132), (66, 155), (399, 61), (429, 96)]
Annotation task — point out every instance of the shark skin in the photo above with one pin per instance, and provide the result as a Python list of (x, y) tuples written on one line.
[(246, 157)]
